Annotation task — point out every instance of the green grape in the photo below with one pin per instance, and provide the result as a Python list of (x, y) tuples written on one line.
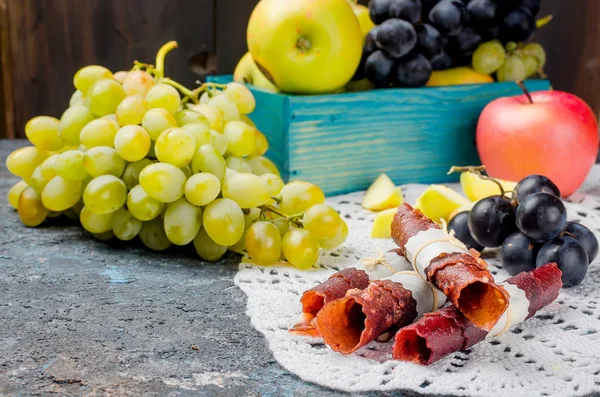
[(223, 220), (69, 165), (336, 241), (213, 115), (48, 167), (488, 57), (30, 208), (132, 143), (22, 162), (247, 120), (103, 160), (186, 116), (125, 226), (274, 182), (105, 194), (182, 222), (241, 96), (113, 119), (187, 171), (157, 121), (207, 159), (282, 224), (537, 51), (153, 235), (226, 106), (513, 69), (15, 191), (300, 248), (96, 223), (106, 236), (37, 180), (131, 175), (138, 82), (247, 190), (61, 194), (77, 99), (42, 132), (99, 132), (262, 165), (200, 132), (175, 146), (263, 243), (142, 206), (152, 153), (298, 196), (206, 248), (262, 144), (238, 164), (163, 182), (105, 96), (205, 97), (72, 122), (120, 76), (88, 75), (131, 110), (74, 212), (531, 64), (219, 141), (202, 189), (240, 138), (322, 221), (164, 96), (229, 173)]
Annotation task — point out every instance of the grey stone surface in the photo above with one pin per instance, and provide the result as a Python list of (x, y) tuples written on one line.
[(83, 317)]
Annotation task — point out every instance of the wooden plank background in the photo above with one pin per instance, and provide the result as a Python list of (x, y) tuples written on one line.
[(44, 42)]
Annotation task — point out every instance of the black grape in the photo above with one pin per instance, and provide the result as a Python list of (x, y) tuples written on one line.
[(460, 225), (518, 254), (533, 6), (585, 237), (409, 10), (468, 40), (570, 257), (541, 216), (379, 11), (413, 71), (449, 16), (441, 61), (429, 40), (427, 6), (379, 68), (534, 184), (483, 12), (396, 37), (505, 7), (370, 44), (517, 26), (492, 220)]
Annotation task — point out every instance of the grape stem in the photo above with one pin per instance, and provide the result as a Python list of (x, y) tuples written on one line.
[(295, 219), (478, 170), (540, 23), (525, 90), (160, 58), (185, 91)]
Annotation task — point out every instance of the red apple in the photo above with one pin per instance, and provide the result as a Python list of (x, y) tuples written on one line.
[(555, 134)]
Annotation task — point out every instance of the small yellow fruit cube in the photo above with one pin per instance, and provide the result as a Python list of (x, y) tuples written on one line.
[(476, 188), (382, 225), (382, 195), (437, 202)]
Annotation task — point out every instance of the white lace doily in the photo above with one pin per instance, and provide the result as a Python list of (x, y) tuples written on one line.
[(555, 353)]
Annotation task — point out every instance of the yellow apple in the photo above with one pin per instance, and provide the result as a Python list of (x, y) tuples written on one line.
[(246, 71), (305, 46), (364, 19)]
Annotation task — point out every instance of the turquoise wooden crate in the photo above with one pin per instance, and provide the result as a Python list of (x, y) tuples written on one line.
[(342, 142)]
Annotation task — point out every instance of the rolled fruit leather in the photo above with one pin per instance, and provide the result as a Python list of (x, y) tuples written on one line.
[(450, 267), (448, 330)]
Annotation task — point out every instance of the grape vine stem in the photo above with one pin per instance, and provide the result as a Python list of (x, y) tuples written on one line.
[(292, 219), (478, 170), (160, 58)]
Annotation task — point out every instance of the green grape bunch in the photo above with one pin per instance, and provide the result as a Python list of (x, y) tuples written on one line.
[(513, 62), (138, 155)]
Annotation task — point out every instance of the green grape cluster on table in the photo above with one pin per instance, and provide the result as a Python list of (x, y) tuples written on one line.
[(137, 154), (513, 62)]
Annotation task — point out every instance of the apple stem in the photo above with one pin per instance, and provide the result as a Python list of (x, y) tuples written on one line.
[(525, 90), (478, 170)]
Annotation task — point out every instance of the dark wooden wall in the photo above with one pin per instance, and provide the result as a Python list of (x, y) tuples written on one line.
[(44, 42)]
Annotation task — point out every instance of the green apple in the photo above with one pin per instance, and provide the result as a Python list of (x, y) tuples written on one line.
[(246, 71), (305, 46)]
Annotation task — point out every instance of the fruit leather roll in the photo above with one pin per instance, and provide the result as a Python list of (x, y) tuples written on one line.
[(449, 266), (448, 330), (351, 322), (334, 287)]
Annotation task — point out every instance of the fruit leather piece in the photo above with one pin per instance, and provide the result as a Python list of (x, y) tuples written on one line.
[(463, 278), (360, 317), (334, 287), (446, 331)]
